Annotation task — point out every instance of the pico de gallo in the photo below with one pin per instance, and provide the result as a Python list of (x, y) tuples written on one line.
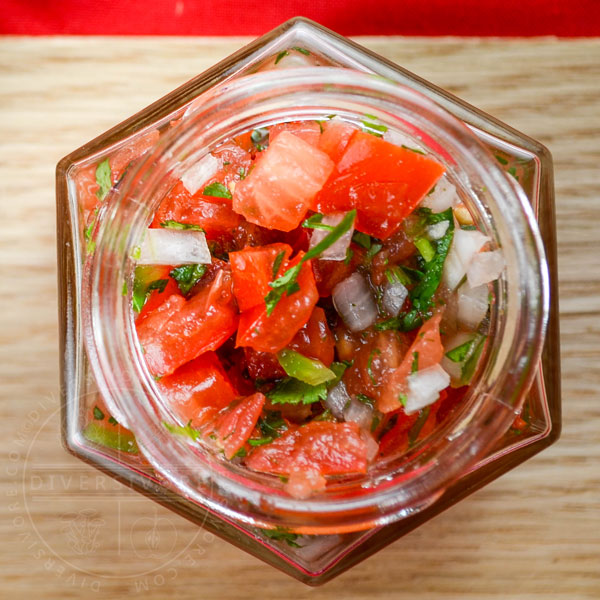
[(311, 297)]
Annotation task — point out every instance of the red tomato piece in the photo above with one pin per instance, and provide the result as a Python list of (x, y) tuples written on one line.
[(384, 182), (211, 213), (235, 425), (328, 273), (315, 339), (85, 183), (281, 187), (179, 330), (322, 446), (309, 131), (252, 271), (198, 389), (271, 333), (263, 365), (397, 437), (156, 298), (430, 351), (335, 138)]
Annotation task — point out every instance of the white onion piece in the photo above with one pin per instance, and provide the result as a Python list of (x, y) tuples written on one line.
[(338, 250), (424, 388), (372, 445), (172, 247), (337, 399), (358, 413), (485, 267), (437, 230), (454, 369), (394, 297), (472, 304), (399, 139), (354, 303), (442, 198), (467, 244), (198, 174), (464, 246)]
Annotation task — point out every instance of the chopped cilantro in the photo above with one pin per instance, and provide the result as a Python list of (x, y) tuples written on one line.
[(170, 224), (403, 399), (242, 173), (301, 50), (124, 289), (186, 430), (375, 423), (370, 363), (415, 363), (277, 263), (187, 276), (294, 391), (471, 361), (98, 414), (372, 251), (272, 425), (461, 352), (103, 179), (349, 255), (287, 284), (375, 129), (501, 159), (260, 137), (513, 171), (260, 441), (397, 274), (415, 430), (217, 190), (240, 453), (365, 399), (282, 535), (113, 421), (281, 55)]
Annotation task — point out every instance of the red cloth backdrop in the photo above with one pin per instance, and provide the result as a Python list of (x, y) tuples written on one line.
[(349, 17)]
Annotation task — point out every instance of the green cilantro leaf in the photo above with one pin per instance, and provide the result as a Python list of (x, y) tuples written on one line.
[(187, 276), (414, 431), (281, 534), (170, 224), (415, 150), (370, 363), (271, 424), (186, 430), (293, 391), (103, 179), (301, 50), (415, 363), (217, 190), (461, 352), (287, 284), (281, 55), (277, 263), (98, 414), (362, 239)]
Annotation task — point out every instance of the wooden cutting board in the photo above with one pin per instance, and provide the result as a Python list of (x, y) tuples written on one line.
[(69, 532)]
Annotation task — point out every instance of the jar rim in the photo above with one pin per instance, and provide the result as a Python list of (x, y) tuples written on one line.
[(119, 367)]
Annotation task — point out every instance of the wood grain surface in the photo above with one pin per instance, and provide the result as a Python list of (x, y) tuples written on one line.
[(66, 531)]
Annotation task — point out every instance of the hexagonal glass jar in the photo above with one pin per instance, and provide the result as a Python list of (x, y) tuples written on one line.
[(311, 558)]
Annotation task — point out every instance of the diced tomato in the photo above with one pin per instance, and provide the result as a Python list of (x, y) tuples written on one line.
[(85, 183), (263, 365), (303, 483), (156, 298), (450, 398), (335, 137), (271, 333), (380, 353), (252, 271), (210, 213), (130, 152), (283, 183), (322, 446), (179, 330), (314, 339), (198, 389), (309, 131), (382, 181), (235, 163), (234, 426), (428, 346)]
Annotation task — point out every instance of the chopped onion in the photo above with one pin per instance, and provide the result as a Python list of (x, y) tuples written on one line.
[(354, 303), (454, 369), (437, 230), (394, 297), (198, 174), (464, 246), (372, 445), (337, 399), (399, 139), (472, 304), (424, 388), (173, 247), (358, 413), (485, 267), (339, 249), (442, 197)]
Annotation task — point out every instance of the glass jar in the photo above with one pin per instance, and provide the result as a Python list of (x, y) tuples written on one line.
[(259, 86)]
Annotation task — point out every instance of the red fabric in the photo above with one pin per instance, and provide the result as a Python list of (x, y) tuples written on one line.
[(349, 17)]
